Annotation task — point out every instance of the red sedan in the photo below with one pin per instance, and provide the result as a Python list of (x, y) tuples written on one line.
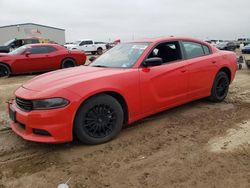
[(127, 83), (39, 58)]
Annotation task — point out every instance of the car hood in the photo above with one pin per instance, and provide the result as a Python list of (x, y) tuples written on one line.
[(4, 54), (62, 79)]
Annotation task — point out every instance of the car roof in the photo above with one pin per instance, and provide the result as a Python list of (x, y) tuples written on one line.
[(171, 38), (43, 44)]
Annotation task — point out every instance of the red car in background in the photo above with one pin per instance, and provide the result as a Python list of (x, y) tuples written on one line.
[(127, 83), (39, 58)]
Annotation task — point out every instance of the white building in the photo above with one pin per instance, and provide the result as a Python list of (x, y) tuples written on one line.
[(31, 30)]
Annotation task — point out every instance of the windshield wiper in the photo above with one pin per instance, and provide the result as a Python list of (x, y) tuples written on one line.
[(99, 66)]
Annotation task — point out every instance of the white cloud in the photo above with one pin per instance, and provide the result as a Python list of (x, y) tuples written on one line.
[(133, 18)]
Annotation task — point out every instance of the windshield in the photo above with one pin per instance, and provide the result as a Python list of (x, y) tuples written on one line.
[(121, 56), (9, 42), (19, 50)]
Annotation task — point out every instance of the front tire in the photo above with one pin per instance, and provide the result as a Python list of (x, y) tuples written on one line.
[(98, 120), (220, 87), (68, 63), (4, 70)]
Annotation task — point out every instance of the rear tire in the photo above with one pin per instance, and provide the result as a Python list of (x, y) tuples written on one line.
[(4, 71), (220, 87), (248, 66), (67, 63), (99, 51), (98, 120), (240, 66)]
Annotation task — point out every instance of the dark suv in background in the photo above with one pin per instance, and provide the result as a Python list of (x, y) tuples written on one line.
[(16, 43), (231, 46)]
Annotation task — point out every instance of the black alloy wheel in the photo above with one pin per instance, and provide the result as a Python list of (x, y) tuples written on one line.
[(220, 87), (98, 120)]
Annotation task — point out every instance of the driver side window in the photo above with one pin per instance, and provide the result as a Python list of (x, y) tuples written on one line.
[(168, 52), (38, 50)]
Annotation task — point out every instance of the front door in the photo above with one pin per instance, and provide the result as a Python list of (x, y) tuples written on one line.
[(165, 85), (34, 59)]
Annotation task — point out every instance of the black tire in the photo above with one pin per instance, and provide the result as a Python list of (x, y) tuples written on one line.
[(220, 87), (93, 53), (240, 66), (248, 66), (98, 120), (4, 71), (67, 63), (99, 51)]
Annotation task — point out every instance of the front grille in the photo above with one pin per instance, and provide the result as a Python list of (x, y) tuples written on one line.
[(24, 104)]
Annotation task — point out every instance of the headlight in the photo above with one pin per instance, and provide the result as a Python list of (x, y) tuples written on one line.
[(49, 103)]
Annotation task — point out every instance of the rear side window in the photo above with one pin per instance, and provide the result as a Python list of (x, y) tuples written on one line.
[(51, 49), (206, 50), (194, 49)]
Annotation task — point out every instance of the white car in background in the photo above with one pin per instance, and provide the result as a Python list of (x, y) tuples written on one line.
[(87, 45)]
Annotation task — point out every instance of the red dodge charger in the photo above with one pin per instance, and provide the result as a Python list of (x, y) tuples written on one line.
[(127, 83), (39, 58)]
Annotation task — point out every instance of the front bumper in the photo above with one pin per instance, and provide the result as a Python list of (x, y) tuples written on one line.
[(47, 126)]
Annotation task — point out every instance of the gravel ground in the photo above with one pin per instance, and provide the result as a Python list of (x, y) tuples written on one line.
[(199, 144)]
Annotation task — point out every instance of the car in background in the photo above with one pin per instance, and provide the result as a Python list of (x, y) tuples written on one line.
[(39, 58), (127, 83), (87, 45), (246, 49), (230, 46), (244, 41), (16, 43)]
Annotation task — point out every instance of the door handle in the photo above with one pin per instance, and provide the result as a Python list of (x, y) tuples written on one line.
[(213, 62), (183, 71)]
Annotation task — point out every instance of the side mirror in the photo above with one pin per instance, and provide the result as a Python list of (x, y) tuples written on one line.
[(92, 58), (154, 61), (27, 54)]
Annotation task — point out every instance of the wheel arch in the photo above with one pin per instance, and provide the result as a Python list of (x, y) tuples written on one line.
[(227, 71), (119, 97), (113, 94)]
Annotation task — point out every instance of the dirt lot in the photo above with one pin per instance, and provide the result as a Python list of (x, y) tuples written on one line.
[(200, 144)]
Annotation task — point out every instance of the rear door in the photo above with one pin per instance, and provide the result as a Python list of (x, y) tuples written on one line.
[(201, 69)]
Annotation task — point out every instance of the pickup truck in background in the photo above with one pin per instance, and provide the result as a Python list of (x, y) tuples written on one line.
[(87, 46)]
